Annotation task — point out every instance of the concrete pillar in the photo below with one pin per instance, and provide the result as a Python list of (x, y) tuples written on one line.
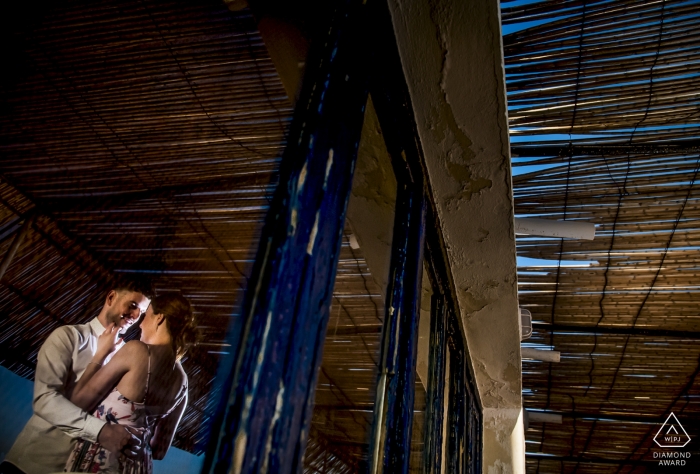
[(451, 51)]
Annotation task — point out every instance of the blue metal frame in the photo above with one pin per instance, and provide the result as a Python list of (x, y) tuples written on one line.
[(393, 422), (464, 443), (435, 406), (393, 410), (263, 423), (474, 453), (457, 414)]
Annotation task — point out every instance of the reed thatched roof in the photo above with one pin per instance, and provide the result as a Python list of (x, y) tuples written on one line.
[(604, 113), (144, 137)]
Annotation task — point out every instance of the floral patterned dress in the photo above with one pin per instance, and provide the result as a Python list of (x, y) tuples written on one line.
[(116, 408)]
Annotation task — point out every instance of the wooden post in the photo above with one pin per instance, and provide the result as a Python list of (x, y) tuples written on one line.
[(432, 456), (264, 421), (393, 410)]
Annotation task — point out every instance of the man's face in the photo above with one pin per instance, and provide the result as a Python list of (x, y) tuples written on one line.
[(125, 308)]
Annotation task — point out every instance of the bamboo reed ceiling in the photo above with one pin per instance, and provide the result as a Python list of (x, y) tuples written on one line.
[(341, 426), (604, 117), (145, 137), (345, 391)]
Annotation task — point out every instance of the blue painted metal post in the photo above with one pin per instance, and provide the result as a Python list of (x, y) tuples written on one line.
[(435, 407), (393, 411), (457, 413), (476, 437), (263, 423), (473, 426)]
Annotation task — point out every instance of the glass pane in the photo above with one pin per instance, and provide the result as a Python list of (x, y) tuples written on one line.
[(422, 372), (339, 439), (343, 413), (417, 436)]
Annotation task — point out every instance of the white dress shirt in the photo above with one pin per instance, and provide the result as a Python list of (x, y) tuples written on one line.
[(45, 442)]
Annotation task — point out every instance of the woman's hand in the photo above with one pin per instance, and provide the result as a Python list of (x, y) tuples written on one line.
[(107, 343)]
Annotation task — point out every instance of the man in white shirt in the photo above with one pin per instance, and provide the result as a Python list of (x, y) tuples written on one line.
[(45, 442)]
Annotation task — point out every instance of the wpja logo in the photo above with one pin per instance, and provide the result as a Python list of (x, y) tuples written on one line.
[(671, 435)]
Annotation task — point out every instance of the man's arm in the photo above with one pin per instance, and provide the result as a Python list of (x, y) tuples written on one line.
[(54, 365), (53, 369)]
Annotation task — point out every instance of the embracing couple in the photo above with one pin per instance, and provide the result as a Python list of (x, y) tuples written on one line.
[(101, 405)]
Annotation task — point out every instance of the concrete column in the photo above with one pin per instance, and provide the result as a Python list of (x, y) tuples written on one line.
[(451, 52)]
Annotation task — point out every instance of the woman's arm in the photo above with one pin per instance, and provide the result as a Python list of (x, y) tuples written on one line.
[(166, 428), (99, 380), (106, 344)]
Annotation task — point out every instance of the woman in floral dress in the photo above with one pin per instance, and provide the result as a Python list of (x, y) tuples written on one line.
[(142, 387)]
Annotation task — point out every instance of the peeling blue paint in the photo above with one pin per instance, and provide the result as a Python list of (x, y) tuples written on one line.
[(263, 423)]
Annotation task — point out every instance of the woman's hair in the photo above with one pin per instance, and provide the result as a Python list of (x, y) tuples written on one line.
[(179, 319)]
